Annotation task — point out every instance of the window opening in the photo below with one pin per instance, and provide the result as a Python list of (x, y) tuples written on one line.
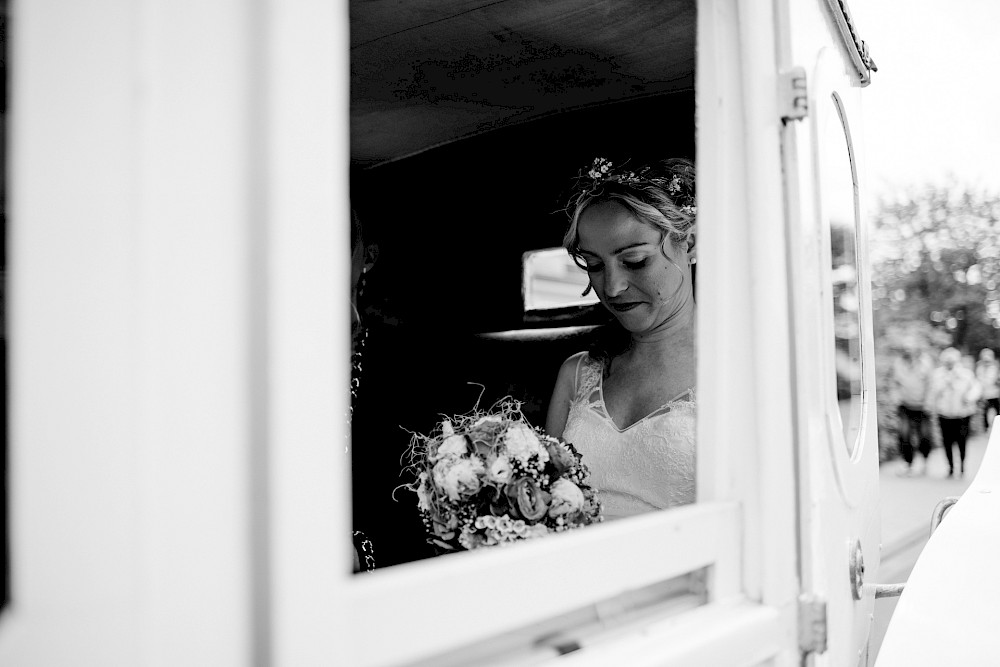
[(553, 280), (841, 213)]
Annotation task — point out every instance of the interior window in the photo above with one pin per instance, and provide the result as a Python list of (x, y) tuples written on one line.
[(553, 280)]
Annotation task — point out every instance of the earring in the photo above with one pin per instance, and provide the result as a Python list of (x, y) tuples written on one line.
[(588, 290)]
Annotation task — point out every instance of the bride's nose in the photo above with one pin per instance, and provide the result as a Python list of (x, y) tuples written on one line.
[(615, 282)]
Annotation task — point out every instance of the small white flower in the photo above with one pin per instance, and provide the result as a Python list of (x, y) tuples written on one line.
[(537, 530), (500, 470), (567, 498), (522, 443), (458, 476), (423, 494), (453, 445), (465, 538)]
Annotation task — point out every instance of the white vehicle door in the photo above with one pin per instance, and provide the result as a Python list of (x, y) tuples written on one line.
[(836, 429)]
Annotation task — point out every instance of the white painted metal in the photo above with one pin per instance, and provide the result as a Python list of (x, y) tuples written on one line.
[(838, 492), (176, 496), (305, 76), (540, 580), (75, 480), (734, 634), (946, 614), (176, 188)]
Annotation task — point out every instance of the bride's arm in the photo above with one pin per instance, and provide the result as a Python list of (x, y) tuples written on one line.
[(562, 394)]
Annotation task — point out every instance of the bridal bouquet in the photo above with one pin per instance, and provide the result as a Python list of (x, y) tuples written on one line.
[(489, 478)]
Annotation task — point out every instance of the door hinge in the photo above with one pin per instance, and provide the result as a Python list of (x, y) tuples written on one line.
[(812, 624), (793, 94)]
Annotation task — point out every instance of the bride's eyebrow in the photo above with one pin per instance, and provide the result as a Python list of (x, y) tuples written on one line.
[(638, 244), (630, 246)]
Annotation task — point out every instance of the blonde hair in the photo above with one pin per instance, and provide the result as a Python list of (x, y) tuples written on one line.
[(660, 194)]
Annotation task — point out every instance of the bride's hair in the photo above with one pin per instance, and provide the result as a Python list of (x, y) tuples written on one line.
[(661, 194)]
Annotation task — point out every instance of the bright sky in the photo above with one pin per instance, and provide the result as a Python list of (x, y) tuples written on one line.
[(932, 111)]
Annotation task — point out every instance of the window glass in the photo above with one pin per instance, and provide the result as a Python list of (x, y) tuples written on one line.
[(444, 276), (840, 211), (553, 280)]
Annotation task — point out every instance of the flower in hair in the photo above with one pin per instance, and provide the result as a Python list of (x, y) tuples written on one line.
[(599, 170), (602, 171)]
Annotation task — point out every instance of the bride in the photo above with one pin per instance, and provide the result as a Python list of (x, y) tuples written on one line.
[(628, 403)]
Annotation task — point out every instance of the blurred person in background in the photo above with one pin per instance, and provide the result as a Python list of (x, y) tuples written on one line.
[(909, 384), (988, 374), (953, 397)]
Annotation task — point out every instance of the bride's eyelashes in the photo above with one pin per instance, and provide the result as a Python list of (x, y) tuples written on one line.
[(631, 266)]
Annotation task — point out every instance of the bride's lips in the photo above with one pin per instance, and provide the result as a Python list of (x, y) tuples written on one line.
[(625, 307)]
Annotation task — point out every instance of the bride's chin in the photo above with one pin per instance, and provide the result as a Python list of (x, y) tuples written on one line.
[(632, 321), (632, 324)]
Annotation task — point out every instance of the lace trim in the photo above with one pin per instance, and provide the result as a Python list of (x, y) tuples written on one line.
[(591, 394), (590, 372), (650, 465)]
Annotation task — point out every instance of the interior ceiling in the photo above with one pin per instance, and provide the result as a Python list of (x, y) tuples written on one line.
[(426, 72)]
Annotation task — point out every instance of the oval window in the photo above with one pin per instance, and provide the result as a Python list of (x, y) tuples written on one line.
[(840, 212)]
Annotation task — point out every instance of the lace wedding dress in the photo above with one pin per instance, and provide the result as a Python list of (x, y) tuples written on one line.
[(649, 465)]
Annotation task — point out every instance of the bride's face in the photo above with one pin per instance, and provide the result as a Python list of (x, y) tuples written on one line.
[(628, 269)]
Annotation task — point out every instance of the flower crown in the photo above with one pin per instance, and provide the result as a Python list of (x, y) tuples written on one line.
[(602, 171)]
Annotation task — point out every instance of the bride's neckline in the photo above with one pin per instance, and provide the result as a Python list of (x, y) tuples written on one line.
[(680, 398)]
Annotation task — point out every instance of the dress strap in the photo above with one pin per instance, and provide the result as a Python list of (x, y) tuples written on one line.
[(588, 374), (686, 396), (576, 375)]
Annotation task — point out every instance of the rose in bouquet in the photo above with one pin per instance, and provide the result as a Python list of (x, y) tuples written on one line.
[(491, 479)]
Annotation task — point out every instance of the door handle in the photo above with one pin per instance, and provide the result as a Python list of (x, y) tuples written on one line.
[(858, 585), (939, 511), (886, 590)]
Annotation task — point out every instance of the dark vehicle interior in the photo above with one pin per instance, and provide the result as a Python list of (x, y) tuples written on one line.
[(469, 122)]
